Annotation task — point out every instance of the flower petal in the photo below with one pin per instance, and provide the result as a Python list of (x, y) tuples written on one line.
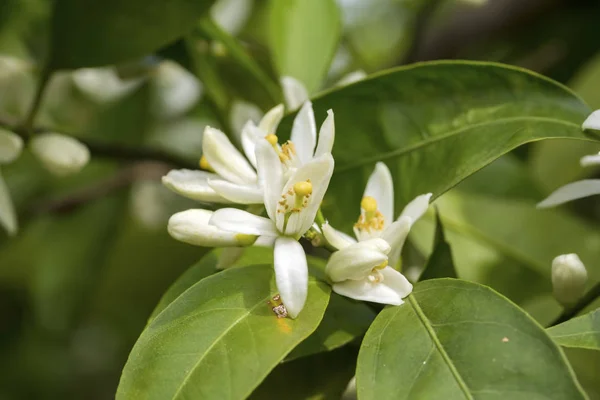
[(381, 187), (355, 261), (193, 185), (416, 208), (251, 134), (587, 161), (291, 274), (192, 227), (294, 92), (326, 135), (224, 158), (269, 123), (592, 122), (304, 133), (240, 221), (336, 238), (270, 176), (319, 171), (391, 290), (241, 194), (11, 145), (396, 235), (572, 191), (240, 114)]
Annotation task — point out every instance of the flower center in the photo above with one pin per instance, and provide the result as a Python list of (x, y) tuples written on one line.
[(287, 153), (370, 218), (296, 198), (376, 276), (205, 165)]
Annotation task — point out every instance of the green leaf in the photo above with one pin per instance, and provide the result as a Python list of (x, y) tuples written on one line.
[(344, 321), (454, 340), (582, 332), (88, 33), (304, 36), (8, 216), (221, 329), (440, 264), (436, 123), (509, 245), (318, 377)]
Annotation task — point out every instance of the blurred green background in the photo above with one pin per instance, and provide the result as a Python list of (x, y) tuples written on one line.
[(92, 256)]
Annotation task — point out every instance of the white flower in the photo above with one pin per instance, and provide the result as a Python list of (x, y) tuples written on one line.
[(232, 177), (176, 90), (294, 92), (569, 277), (291, 205), (10, 149), (231, 15), (592, 122), (60, 154), (364, 270), (10, 146), (103, 84)]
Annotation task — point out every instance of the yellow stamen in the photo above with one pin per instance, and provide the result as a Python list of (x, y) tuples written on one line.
[(204, 164), (303, 188), (369, 204), (272, 139), (381, 266), (371, 219)]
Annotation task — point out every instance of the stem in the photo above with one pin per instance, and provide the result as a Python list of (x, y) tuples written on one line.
[(320, 219), (37, 102), (585, 301)]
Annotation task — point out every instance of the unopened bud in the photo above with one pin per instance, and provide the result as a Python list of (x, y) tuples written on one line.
[(569, 277), (192, 227), (10, 146), (61, 155)]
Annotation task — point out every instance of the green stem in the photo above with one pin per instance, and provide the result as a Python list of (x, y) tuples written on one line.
[(585, 301), (37, 102)]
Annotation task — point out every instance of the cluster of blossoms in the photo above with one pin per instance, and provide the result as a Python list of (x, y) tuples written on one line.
[(288, 182)]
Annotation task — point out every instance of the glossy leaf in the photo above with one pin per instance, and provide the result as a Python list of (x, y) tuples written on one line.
[(89, 33), (304, 36), (434, 124), (582, 332), (440, 263), (344, 321), (220, 327), (458, 340)]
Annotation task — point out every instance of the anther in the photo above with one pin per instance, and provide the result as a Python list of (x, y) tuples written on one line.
[(272, 139), (381, 266), (204, 164)]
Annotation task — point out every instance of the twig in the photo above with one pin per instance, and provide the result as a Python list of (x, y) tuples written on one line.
[(585, 301), (37, 101)]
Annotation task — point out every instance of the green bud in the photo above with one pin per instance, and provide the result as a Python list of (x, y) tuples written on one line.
[(569, 277)]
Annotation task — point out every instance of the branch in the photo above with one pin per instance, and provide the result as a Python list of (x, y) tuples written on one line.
[(585, 301)]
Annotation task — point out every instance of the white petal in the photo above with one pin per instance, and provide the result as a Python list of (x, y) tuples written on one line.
[(572, 191), (326, 135), (304, 133), (592, 122), (416, 208), (391, 290), (8, 216), (270, 175), (355, 262), (265, 241), (224, 158), (241, 113), (291, 274), (193, 185), (381, 187), (319, 171), (294, 92), (176, 89), (396, 235), (240, 221), (60, 154), (192, 226), (241, 194), (336, 238), (11, 145), (269, 123), (231, 15), (587, 161), (352, 77), (251, 134)]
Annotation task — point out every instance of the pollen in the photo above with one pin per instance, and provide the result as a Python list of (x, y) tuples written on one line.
[(272, 139), (303, 188), (204, 164)]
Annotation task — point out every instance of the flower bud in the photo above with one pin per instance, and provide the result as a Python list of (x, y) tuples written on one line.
[(10, 146), (569, 277), (61, 155), (191, 226)]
